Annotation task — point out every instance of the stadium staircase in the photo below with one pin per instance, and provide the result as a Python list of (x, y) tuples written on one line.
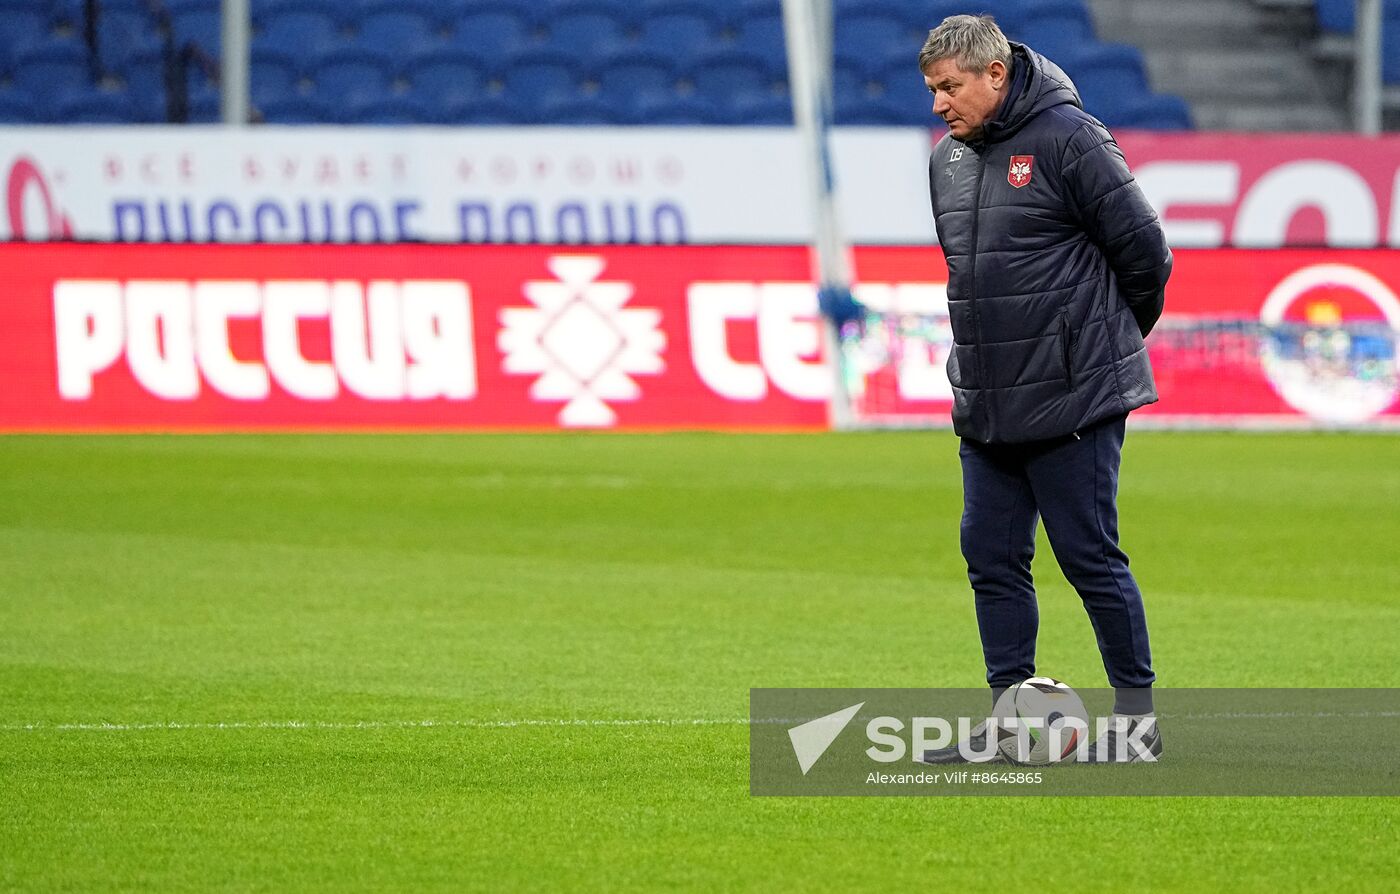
[(1254, 65)]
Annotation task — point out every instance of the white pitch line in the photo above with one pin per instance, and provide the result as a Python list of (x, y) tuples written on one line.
[(558, 722), (363, 724), (1281, 715)]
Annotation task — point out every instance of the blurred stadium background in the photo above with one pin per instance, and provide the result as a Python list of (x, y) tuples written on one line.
[(464, 62), (355, 637), (610, 62), (514, 127)]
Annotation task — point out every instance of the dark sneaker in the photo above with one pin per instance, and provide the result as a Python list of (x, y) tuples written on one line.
[(1128, 740), (976, 745)]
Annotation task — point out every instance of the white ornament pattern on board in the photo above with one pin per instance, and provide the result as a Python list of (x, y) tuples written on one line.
[(581, 341)]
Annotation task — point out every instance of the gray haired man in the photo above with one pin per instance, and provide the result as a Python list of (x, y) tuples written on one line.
[(1056, 271)]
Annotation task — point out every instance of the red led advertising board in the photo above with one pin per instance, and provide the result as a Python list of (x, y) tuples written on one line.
[(189, 337)]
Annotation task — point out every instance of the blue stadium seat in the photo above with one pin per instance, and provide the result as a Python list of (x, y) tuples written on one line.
[(1110, 80), (872, 35), (737, 11), (1390, 47), (18, 107), (903, 58), (852, 75), (206, 105), (595, 110), (487, 111), (94, 107), (754, 108), (144, 80), (181, 7), (197, 21), (536, 76), (51, 69), (67, 13), (445, 75), (631, 73), (927, 16), (565, 61), (121, 58), (721, 74), (1078, 8), (1161, 111), (1338, 16), (8, 52), (625, 11), (1107, 75), (294, 110), (205, 66), (680, 30), (1010, 14), (24, 23), (272, 73), (864, 7), (583, 31), (493, 33), (439, 14), (143, 75), (144, 88), (351, 70), (398, 29), (905, 94), (864, 111), (762, 33), (262, 10), (392, 110), (298, 31), (671, 109), (1057, 30), (122, 32), (917, 15), (1113, 109)]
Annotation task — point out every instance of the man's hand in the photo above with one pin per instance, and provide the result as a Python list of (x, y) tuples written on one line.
[(1148, 311)]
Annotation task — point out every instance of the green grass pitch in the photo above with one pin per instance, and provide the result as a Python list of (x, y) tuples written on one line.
[(290, 606)]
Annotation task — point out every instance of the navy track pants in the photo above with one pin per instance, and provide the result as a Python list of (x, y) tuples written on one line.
[(1072, 483)]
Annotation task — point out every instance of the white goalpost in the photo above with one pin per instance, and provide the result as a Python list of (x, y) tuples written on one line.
[(808, 30), (877, 345)]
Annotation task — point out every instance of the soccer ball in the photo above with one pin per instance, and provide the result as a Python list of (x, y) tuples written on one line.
[(1041, 706)]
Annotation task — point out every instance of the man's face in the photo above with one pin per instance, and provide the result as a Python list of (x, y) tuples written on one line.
[(965, 100)]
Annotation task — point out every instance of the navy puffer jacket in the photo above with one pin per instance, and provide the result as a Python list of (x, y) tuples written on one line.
[(1056, 266)]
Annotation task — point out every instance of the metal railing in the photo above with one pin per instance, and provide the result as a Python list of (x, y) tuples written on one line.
[(178, 60), (1366, 68)]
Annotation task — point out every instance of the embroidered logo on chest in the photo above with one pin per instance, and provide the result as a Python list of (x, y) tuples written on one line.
[(1019, 173)]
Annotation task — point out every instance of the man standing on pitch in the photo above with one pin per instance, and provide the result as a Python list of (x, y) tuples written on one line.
[(1056, 271)]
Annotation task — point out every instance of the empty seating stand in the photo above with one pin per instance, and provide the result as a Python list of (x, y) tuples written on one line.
[(455, 62)]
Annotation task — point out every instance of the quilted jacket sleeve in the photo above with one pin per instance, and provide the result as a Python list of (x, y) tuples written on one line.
[(1118, 219)]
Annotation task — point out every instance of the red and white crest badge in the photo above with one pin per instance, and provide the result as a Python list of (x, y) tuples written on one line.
[(1019, 174)]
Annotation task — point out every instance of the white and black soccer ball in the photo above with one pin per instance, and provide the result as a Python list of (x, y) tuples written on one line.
[(1051, 722)]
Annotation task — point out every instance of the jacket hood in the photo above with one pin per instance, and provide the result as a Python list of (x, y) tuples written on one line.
[(1043, 85)]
